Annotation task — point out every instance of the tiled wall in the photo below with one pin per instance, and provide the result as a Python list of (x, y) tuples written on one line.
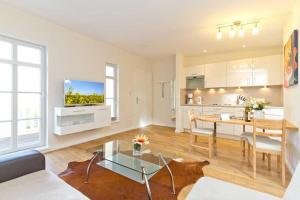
[(272, 94)]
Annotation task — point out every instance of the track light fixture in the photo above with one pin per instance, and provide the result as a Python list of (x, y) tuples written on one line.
[(237, 26)]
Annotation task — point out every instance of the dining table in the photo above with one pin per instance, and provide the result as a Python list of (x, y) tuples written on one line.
[(235, 121)]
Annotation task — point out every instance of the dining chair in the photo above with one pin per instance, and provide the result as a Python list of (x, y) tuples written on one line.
[(196, 131), (263, 140)]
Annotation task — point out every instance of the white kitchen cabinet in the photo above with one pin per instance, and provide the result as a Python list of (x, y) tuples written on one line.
[(267, 70), (239, 73), (198, 70), (216, 75)]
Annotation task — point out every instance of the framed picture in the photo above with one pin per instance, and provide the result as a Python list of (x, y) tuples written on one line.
[(291, 60)]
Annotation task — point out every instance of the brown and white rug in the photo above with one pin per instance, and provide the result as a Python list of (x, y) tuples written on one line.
[(107, 185)]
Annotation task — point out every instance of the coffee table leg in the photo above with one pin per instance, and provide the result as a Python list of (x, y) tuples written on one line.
[(146, 183), (170, 173), (89, 167), (215, 138)]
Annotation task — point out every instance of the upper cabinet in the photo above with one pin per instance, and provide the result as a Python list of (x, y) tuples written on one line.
[(239, 73), (198, 70), (267, 70), (215, 75)]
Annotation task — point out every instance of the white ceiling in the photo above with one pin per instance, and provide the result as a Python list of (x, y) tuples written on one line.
[(154, 28)]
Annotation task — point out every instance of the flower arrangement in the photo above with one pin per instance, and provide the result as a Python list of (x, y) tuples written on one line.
[(254, 104), (140, 139)]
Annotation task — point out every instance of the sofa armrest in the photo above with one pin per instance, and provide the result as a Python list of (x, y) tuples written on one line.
[(18, 164)]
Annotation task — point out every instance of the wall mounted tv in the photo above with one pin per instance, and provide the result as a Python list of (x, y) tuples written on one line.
[(83, 93)]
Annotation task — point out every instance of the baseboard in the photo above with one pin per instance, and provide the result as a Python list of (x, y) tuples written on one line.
[(289, 167), (50, 149), (163, 124)]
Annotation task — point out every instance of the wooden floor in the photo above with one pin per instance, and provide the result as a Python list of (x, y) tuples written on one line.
[(229, 165)]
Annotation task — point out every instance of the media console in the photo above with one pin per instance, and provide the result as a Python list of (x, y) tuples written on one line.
[(68, 120)]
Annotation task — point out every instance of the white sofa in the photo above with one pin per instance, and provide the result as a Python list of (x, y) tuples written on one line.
[(23, 176), (208, 188)]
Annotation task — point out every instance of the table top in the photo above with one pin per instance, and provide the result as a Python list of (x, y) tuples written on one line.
[(213, 118), (118, 157)]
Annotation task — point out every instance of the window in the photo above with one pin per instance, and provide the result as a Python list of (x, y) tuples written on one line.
[(111, 89), (22, 95)]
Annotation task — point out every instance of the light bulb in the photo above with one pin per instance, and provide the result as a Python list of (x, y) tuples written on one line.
[(241, 32), (255, 30), (219, 34), (231, 32)]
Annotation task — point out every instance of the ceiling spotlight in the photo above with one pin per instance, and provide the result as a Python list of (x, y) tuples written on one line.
[(255, 30), (241, 32), (231, 32), (219, 34), (244, 46), (204, 51)]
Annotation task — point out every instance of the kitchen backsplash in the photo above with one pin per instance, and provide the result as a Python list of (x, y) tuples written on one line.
[(272, 94)]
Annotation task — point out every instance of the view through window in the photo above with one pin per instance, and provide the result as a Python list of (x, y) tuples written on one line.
[(22, 95), (111, 89)]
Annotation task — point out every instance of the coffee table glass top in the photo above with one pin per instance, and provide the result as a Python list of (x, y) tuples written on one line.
[(118, 157)]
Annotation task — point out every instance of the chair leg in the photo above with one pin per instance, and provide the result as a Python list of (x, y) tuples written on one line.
[(269, 161), (283, 168), (243, 146), (248, 153), (278, 163), (254, 162), (210, 146), (191, 142), (263, 156), (195, 139)]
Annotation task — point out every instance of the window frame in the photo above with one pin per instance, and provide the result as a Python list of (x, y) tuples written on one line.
[(14, 93), (115, 79)]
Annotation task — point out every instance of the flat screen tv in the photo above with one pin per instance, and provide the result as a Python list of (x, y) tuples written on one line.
[(80, 93)]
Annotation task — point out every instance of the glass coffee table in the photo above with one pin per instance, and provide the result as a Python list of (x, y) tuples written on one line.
[(117, 156)]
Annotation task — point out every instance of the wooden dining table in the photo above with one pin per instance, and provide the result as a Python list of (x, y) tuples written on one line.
[(235, 121)]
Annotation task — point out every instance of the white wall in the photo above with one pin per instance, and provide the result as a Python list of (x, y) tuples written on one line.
[(292, 95), (163, 70), (180, 83), (75, 56)]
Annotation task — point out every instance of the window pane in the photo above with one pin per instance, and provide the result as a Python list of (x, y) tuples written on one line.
[(5, 77), (29, 79), (28, 132), (5, 107), (5, 50), (5, 135), (110, 71), (29, 55), (109, 88), (29, 106), (110, 102)]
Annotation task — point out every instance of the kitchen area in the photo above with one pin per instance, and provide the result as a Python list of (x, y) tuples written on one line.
[(224, 88)]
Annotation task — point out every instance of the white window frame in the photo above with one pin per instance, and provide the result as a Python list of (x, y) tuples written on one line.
[(43, 93), (115, 78)]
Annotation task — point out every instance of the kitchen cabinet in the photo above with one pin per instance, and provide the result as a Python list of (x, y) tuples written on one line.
[(267, 70), (239, 73), (216, 75), (198, 70)]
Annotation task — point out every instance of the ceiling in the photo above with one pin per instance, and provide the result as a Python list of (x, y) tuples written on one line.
[(155, 28)]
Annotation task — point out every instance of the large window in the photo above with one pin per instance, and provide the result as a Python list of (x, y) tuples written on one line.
[(111, 89), (22, 95)]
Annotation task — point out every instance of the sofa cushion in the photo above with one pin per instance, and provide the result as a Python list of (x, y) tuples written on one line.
[(39, 185), (208, 188)]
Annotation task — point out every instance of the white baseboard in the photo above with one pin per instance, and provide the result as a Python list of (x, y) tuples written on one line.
[(163, 124)]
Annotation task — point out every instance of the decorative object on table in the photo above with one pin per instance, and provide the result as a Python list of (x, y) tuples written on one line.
[(291, 60), (225, 117), (247, 115), (138, 142), (257, 106)]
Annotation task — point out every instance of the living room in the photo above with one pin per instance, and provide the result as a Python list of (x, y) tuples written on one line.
[(104, 100)]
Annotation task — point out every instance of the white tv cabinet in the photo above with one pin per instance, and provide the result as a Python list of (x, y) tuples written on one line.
[(82, 118)]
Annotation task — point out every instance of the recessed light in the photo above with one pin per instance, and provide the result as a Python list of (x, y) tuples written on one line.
[(204, 51), (244, 46)]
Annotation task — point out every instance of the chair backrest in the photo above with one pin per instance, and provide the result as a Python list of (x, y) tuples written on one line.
[(192, 119), (269, 127), (293, 190)]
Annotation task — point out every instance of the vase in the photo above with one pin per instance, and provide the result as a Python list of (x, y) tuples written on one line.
[(259, 114), (137, 149)]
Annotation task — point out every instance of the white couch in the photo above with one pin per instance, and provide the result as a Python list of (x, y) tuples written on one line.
[(41, 185), (208, 188)]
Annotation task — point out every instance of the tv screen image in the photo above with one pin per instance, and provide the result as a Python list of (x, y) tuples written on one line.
[(83, 92)]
